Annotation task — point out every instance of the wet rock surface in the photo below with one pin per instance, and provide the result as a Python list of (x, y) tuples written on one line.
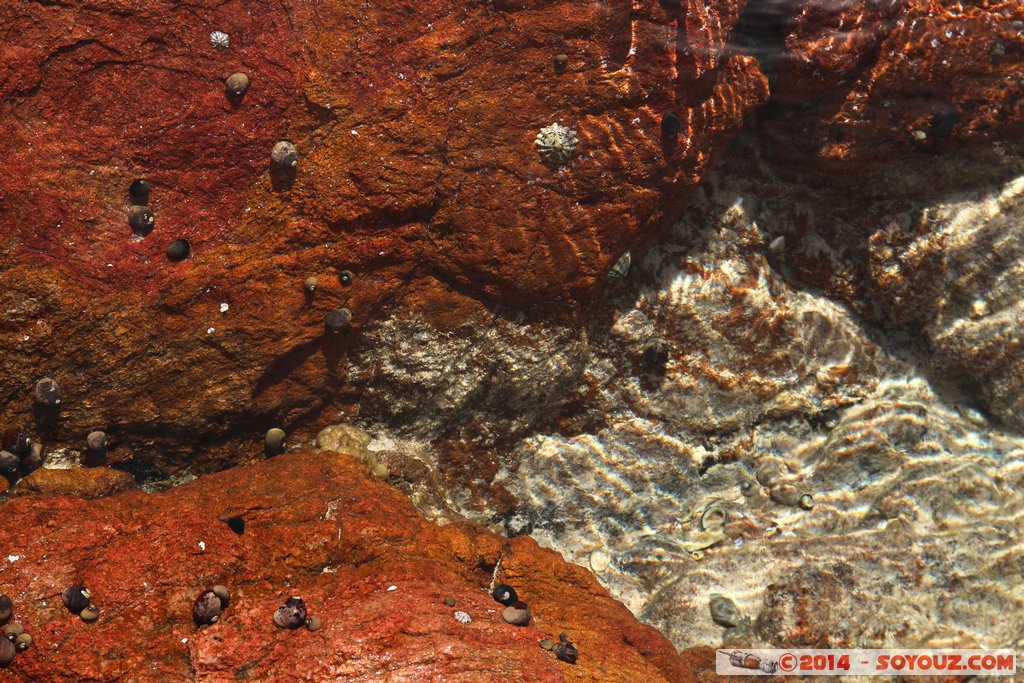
[(91, 482), (319, 526), (804, 395), (408, 153)]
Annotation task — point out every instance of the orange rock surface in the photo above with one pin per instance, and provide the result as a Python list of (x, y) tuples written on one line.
[(87, 482), (320, 527), (415, 125)]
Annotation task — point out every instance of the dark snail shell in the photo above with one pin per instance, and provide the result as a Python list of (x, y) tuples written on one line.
[(47, 393), (6, 608), (670, 124), (224, 594), (178, 251), (292, 614), (505, 594), (338, 320), (566, 652), (284, 155), (274, 441), (206, 609), (76, 598), (141, 219), (237, 84)]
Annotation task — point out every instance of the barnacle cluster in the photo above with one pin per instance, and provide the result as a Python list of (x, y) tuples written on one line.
[(556, 144)]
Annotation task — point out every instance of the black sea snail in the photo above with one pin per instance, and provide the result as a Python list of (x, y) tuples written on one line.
[(505, 594), (141, 219), (76, 598)]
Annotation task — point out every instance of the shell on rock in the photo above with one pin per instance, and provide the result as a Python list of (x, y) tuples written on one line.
[(76, 598), (292, 614), (556, 144), (206, 609), (220, 40)]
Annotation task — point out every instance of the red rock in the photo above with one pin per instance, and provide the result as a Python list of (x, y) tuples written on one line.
[(869, 82), (318, 526), (415, 124), (86, 482)]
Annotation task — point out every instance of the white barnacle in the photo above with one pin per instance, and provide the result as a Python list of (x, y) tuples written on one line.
[(219, 40), (556, 144)]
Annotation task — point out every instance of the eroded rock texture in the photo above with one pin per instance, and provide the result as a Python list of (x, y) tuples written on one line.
[(414, 124), (317, 526)]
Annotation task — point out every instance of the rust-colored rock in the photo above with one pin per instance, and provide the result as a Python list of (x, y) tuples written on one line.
[(320, 527), (90, 482), (415, 124), (867, 82)]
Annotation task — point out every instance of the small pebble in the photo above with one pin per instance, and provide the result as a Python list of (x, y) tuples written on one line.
[(7, 652), (997, 48), (284, 155), (47, 393), (178, 251), (561, 60), (517, 614), (338, 320), (237, 84), (310, 284), (463, 618), (314, 623), (139, 189), (6, 608), (23, 642), (345, 277), (450, 602), (13, 630), (806, 501), (292, 614), (505, 594), (547, 644), (724, 611), (76, 598), (563, 637), (141, 219), (90, 613), (274, 441), (566, 652), (599, 560), (224, 307)]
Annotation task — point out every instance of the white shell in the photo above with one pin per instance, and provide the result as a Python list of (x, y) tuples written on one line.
[(556, 144), (220, 40)]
